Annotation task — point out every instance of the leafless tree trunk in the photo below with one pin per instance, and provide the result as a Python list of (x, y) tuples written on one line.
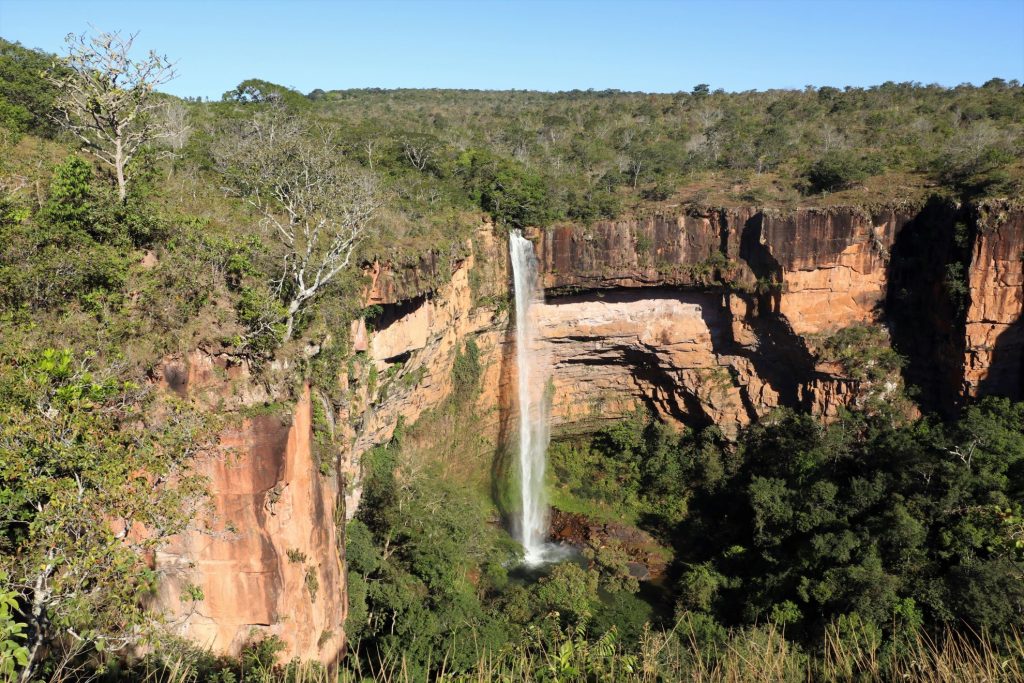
[(418, 155), (174, 127), (370, 145), (636, 167), (105, 98), (319, 207)]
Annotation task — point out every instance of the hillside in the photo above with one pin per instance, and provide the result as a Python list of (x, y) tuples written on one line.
[(259, 385)]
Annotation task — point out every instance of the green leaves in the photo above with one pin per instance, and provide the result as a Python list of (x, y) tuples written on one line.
[(865, 518), (13, 653), (836, 170), (511, 193), (85, 493)]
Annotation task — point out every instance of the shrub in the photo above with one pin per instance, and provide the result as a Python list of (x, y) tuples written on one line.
[(835, 171)]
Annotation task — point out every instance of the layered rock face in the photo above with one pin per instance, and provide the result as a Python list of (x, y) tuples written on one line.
[(710, 318), (823, 268), (265, 558), (705, 318), (666, 350), (751, 295), (722, 311), (412, 346), (994, 324)]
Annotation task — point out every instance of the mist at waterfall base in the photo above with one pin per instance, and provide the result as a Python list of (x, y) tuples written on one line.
[(531, 527)]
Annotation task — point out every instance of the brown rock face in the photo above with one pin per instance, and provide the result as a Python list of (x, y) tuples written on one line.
[(781, 281), (265, 557), (829, 266), (994, 327), (663, 349), (413, 349), (832, 266), (714, 318)]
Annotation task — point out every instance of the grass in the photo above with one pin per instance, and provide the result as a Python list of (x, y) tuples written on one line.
[(757, 655), (562, 498)]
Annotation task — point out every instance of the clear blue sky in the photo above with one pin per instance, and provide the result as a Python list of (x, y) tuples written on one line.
[(659, 46)]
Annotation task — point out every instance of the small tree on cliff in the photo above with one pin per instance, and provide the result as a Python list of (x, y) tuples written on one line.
[(88, 489), (106, 98), (318, 206)]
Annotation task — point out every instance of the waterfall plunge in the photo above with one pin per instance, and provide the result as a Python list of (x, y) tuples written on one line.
[(533, 413)]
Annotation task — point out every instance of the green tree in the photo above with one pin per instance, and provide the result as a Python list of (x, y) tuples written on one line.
[(13, 653), (256, 91), (835, 171), (504, 188), (89, 484), (26, 100), (70, 203), (320, 208)]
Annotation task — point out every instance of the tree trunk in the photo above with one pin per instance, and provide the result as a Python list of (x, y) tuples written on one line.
[(33, 651), (122, 189), (38, 617), (293, 309)]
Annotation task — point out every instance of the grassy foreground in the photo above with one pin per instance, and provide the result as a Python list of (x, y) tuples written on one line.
[(754, 654)]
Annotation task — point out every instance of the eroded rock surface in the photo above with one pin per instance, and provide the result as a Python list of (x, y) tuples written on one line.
[(663, 349), (708, 317), (264, 559), (994, 326)]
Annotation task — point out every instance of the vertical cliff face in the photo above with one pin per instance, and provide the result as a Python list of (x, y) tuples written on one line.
[(832, 266), (714, 317), (711, 317), (994, 324), (750, 292), (264, 558), (771, 287), (411, 346)]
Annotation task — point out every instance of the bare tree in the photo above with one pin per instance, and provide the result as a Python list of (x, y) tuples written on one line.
[(319, 206), (173, 123), (419, 149), (105, 97)]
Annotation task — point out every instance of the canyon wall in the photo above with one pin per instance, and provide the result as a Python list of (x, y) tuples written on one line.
[(993, 362), (752, 295), (704, 317), (264, 558)]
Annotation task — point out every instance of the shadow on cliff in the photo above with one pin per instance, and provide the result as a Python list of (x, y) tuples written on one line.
[(502, 480), (780, 357), (1006, 367), (925, 323)]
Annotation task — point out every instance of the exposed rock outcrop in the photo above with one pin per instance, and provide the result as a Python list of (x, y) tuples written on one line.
[(265, 557), (710, 317), (785, 281), (994, 323), (647, 560), (667, 350)]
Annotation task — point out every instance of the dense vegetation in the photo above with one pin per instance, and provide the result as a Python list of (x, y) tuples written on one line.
[(863, 531), (799, 540)]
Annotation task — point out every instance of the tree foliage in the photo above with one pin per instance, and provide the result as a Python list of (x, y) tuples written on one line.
[(26, 100), (90, 485), (318, 206)]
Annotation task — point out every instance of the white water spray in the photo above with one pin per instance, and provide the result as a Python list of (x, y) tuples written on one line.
[(533, 413)]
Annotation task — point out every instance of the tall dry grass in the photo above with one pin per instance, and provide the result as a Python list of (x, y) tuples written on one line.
[(757, 655)]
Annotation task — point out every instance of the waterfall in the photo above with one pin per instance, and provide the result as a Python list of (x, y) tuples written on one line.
[(533, 414)]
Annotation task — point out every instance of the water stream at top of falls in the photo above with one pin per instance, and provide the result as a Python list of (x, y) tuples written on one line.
[(532, 527)]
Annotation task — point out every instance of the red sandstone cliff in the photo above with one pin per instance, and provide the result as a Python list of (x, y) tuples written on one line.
[(265, 556), (707, 317)]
